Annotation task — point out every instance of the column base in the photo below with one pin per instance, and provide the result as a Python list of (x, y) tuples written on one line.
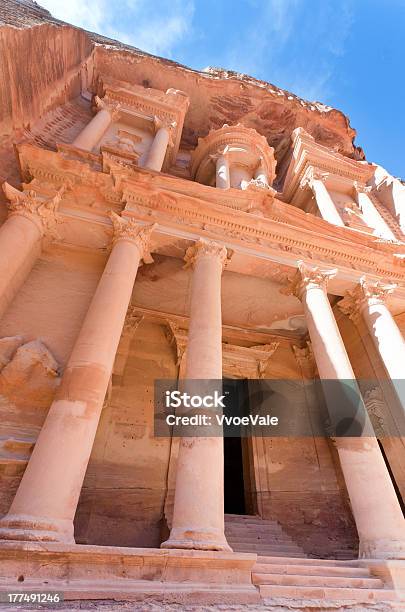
[(196, 540), (36, 529), (382, 549)]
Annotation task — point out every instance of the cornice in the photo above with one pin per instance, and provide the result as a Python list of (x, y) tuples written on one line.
[(286, 237)]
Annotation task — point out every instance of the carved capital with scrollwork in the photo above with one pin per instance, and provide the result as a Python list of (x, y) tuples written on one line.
[(130, 230), (206, 248), (42, 212), (308, 277), (111, 107), (166, 124), (366, 293), (361, 188), (311, 175)]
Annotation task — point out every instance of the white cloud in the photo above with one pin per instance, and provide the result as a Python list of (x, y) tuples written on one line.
[(153, 27)]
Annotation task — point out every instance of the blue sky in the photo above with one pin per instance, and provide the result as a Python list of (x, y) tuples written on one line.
[(349, 54)]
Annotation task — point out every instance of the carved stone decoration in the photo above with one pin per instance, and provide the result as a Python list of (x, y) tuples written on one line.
[(169, 125), (130, 229), (177, 338), (29, 204), (376, 408), (31, 377), (132, 321), (367, 292), (112, 108), (205, 248), (313, 174), (308, 277), (237, 361), (306, 360)]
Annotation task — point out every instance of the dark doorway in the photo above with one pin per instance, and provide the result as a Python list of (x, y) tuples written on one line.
[(234, 488), (235, 459)]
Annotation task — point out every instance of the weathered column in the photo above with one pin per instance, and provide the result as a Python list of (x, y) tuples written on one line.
[(239, 176), (198, 515), (371, 215), (158, 148), (261, 175), (46, 500), (222, 172), (97, 127), (378, 516), (21, 238), (315, 180), (368, 300)]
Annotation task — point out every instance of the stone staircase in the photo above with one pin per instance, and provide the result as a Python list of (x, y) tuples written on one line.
[(309, 579), (283, 571), (248, 533)]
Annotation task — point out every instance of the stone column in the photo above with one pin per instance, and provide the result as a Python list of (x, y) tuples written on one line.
[(21, 238), (315, 180), (378, 516), (368, 300), (371, 216), (222, 172), (261, 175), (46, 500), (97, 127), (158, 148), (198, 515)]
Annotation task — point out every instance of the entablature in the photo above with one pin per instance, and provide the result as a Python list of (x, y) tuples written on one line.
[(261, 245)]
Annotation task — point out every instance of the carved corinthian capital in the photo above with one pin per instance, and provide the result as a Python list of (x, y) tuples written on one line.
[(131, 231), (112, 107), (27, 204), (366, 293), (311, 175), (361, 188), (308, 277), (205, 248)]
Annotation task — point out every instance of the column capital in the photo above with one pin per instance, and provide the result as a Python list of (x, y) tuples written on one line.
[(308, 277), (366, 293), (205, 248), (361, 188), (222, 151), (130, 230), (112, 107), (167, 124), (27, 204), (311, 175)]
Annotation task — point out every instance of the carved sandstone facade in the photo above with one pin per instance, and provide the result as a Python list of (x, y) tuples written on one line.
[(144, 235)]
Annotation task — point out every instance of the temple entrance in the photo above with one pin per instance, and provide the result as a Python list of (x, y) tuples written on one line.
[(238, 498)]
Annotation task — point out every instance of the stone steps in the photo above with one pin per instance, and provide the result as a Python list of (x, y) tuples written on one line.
[(296, 568), (250, 533), (327, 593), (318, 579)]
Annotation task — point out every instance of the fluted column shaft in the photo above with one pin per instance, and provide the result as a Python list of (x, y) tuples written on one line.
[(198, 514), (21, 239), (46, 500), (91, 135), (378, 516)]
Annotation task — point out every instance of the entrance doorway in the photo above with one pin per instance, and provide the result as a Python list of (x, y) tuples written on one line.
[(238, 496)]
